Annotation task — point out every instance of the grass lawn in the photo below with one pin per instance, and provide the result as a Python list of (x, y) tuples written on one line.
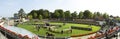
[(43, 31)]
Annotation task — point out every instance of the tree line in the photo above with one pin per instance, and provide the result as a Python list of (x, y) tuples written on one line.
[(61, 14)]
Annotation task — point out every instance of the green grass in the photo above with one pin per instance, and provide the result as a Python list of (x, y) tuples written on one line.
[(43, 31)]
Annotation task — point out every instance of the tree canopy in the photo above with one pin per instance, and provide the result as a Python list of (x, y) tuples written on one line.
[(60, 14)]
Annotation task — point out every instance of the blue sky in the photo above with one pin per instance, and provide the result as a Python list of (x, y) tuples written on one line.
[(9, 7)]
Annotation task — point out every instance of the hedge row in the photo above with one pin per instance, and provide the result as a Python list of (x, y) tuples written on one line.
[(81, 28)]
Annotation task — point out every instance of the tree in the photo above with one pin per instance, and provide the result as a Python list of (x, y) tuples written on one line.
[(111, 16), (40, 17), (40, 12), (98, 14), (67, 14), (61, 12), (30, 17), (21, 13), (91, 15), (35, 15), (86, 14), (105, 15), (74, 15), (56, 14), (95, 15), (46, 14), (80, 15)]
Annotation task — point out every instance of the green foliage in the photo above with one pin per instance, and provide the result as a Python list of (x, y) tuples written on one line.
[(56, 14), (30, 17), (91, 15), (35, 15), (105, 15), (59, 13), (98, 14), (87, 14), (95, 15), (80, 15), (21, 13), (40, 17), (74, 15), (46, 14), (67, 14)]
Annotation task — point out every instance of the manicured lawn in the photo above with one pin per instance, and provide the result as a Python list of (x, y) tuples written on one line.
[(43, 31)]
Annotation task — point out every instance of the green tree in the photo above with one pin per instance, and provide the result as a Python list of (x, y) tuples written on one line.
[(95, 15), (40, 17), (86, 14), (67, 14), (91, 15), (21, 13), (105, 15), (74, 15), (46, 14), (40, 12), (80, 15), (35, 15), (56, 14), (62, 15), (98, 14), (30, 17)]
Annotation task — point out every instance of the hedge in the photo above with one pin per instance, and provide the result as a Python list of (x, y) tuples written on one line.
[(81, 28)]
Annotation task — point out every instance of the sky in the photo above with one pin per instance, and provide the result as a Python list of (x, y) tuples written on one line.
[(9, 7)]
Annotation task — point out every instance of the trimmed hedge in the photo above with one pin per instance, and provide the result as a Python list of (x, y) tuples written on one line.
[(81, 28)]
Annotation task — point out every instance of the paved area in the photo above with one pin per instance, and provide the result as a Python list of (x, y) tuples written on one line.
[(2, 36)]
